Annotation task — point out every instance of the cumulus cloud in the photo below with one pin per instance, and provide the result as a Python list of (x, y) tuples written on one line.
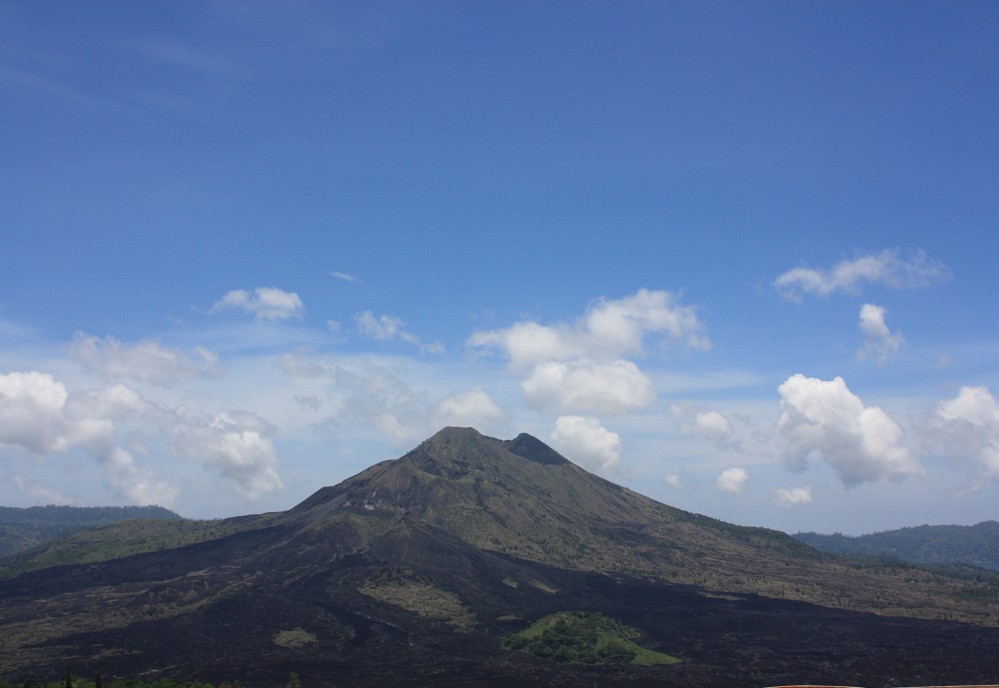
[(824, 420), (146, 361), (38, 414), (881, 342), (711, 425), (888, 268), (672, 480), (973, 418), (32, 412), (587, 442), (732, 480), (386, 327), (610, 329), (589, 387), (793, 496), (581, 367), (472, 408), (265, 303), (237, 445)]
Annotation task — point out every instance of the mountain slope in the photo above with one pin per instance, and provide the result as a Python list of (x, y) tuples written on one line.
[(977, 545), (411, 573), (521, 498), (22, 529)]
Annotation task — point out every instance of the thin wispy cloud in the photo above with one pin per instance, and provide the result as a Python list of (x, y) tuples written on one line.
[(147, 360), (889, 268), (388, 327), (179, 54)]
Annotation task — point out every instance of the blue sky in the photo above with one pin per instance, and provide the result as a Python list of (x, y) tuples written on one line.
[(738, 257)]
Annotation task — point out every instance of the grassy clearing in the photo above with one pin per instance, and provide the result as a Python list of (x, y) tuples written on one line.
[(294, 639), (584, 638), (121, 539), (422, 598)]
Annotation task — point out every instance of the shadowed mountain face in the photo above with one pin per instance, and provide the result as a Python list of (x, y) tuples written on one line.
[(411, 572)]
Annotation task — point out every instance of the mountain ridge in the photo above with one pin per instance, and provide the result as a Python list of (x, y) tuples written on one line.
[(22, 528), (977, 545)]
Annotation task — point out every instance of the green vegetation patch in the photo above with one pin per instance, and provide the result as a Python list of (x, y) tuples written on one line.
[(295, 639), (584, 638), (121, 539), (423, 598)]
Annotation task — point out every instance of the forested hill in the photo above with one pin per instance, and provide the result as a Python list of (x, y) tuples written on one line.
[(977, 544), (23, 528)]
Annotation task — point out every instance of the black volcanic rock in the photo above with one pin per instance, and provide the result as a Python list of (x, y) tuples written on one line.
[(411, 572)]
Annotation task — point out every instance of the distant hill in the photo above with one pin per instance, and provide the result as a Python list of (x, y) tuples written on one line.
[(977, 545), (24, 528)]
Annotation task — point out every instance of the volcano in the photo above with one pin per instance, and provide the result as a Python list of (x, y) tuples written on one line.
[(412, 573)]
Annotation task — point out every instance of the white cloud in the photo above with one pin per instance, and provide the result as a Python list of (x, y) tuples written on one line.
[(39, 415), (384, 400), (265, 303), (887, 268), (618, 326), (973, 416), (386, 327), (610, 329), (881, 342), (587, 442), (793, 496), (237, 445), (472, 408), (732, 480), (824, 420), (40, 492), (382, 327), (711, 425), (32, 412), (672, 480), (714, 425), (146, 361), (343, 276), (138, 483), (587, 387), (581, 367)]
